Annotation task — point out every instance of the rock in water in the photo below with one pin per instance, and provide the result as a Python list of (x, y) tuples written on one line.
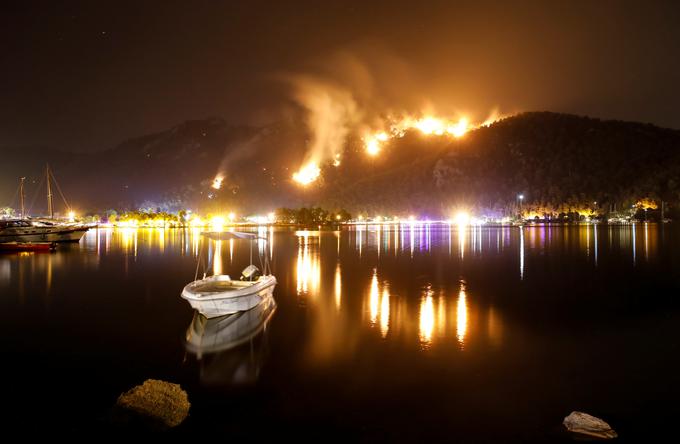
[(583, 425), (154, 404)]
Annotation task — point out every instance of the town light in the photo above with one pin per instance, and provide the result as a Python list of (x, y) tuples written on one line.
[(462, 218)]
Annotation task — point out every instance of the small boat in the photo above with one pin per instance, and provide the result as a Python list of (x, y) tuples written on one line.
[(27, 246), (220, 295)]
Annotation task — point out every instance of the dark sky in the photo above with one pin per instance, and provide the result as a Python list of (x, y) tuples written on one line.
[(87, 75)]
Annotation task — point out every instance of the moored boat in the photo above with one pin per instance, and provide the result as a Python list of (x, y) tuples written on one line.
[(220, 295), (25, 230), (27, 246)]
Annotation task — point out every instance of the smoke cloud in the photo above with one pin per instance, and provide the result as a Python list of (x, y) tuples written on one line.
[(372, 95), (331, 113), (234, 154)]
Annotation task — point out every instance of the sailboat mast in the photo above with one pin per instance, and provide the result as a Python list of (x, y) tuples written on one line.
[(21, 197), (50, 210)]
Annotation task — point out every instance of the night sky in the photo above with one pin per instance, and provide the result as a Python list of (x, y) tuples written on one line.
[(86, 75)]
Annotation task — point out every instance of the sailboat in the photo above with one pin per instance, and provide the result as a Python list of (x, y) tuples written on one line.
[(28, 230)]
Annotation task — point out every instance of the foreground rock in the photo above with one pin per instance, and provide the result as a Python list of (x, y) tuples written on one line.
[(585, 426), (156, 405)]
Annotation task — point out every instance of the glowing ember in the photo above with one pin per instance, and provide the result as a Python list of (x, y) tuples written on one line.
[(307, 174), (373, 147), (336, 160), (217, 182), (374, 141)]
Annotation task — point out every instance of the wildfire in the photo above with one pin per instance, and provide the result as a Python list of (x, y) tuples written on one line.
[(374, 141), (307, 174), (395, 128), (428, 125), (459, 129), (646, 203), (217, 182)]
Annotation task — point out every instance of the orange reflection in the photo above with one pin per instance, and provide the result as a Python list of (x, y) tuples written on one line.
[(128, 239), (308, 270), (338, 286), (161, 238), (379, 304), (461, 315), (195, 241), (385, 312), (374, 298), (426, 318), (334, 333), (217, 258)]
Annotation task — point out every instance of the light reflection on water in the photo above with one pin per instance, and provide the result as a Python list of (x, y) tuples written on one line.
[(308, 268), (461, 315), (426, 318), (338, 286), (353, 264), (434, 312)]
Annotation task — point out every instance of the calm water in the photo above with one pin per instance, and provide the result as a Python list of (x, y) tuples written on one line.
[(425, 333)]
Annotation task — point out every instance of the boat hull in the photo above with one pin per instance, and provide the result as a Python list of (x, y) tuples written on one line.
[(26, 246), (43, 234), (215, 304)]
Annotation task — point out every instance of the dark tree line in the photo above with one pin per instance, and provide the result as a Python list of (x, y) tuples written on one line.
[(311, 216)]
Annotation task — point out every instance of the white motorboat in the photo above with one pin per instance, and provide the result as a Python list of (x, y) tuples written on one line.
[(220, 295)]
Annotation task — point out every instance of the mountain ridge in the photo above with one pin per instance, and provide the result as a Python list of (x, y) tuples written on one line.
[(555, 160)]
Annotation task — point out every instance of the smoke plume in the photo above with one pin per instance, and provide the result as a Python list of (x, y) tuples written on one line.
[(331, 112)]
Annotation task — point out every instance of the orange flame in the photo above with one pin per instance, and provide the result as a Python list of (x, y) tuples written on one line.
[(307, 174), (428, 125), (217, 182)]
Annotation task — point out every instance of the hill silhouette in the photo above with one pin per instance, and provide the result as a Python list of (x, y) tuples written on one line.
[(557, 161)]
